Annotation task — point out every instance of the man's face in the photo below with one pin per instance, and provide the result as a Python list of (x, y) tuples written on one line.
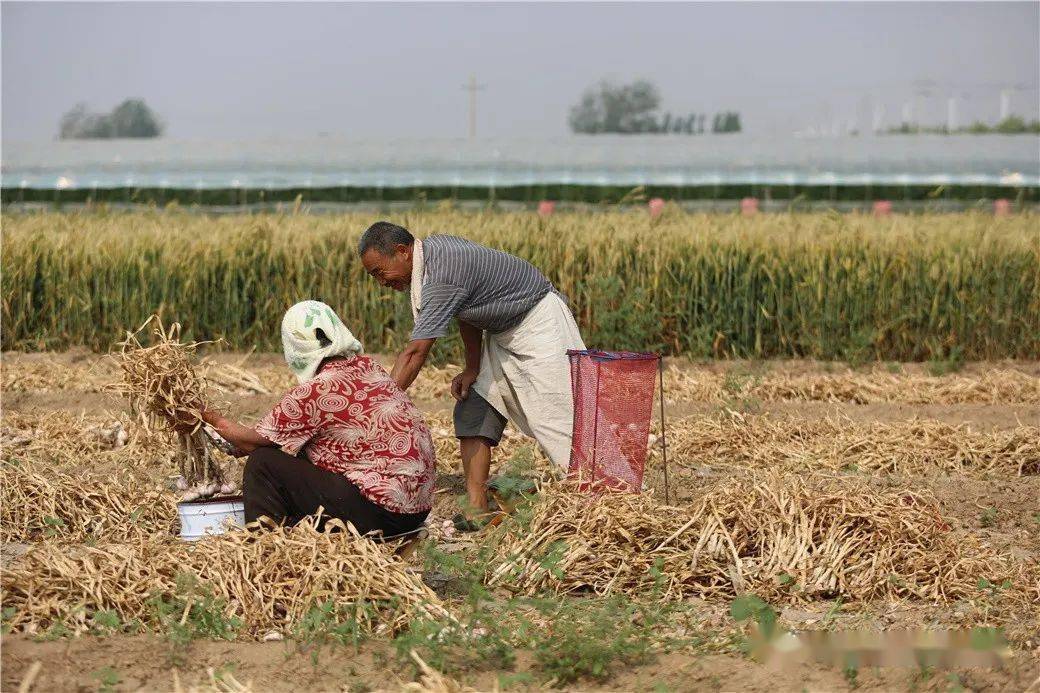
[(392, 271)]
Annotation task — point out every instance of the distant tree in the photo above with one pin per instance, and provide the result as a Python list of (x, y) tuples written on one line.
[(1016, 125), (72, 122), (615, 108), (132, 118), (726, 122), (632, 108)]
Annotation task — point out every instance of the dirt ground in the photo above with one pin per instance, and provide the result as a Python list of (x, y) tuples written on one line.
[(74, 665), (1004, 511)]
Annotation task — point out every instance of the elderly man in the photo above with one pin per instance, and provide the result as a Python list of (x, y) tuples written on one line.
[(516, 329)]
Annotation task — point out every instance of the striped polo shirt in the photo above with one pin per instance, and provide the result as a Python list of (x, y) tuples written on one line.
[(486, 288)]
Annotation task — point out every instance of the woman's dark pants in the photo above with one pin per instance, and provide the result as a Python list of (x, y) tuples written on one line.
[(286, 489)]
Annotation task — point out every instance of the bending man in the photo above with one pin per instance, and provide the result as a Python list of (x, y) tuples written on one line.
[(516, 329)]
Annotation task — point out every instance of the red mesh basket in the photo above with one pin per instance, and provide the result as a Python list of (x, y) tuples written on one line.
[(613, 401)]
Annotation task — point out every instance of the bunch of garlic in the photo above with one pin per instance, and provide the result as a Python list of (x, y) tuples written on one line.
[(202, 491)]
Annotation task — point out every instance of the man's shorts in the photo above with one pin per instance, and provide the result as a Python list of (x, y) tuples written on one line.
[(474, 416)]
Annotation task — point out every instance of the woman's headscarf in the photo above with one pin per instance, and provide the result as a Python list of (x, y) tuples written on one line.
[(311, 333)]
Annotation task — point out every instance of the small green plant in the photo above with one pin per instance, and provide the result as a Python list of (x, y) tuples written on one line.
[(514, 482), (752, 607), (893, 367), (52, 526), (590, 640), (190, 613), (7, 614), (478, 642), (327, 623), (988, 518), (991, 589), (515, 680), (950, 363), (922, 676), (832, 613), (851, 674), (108, 678), (465, 569), (56, 631), (105, 622)]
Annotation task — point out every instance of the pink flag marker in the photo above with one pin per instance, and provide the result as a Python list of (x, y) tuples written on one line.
[(882, 208), (656, 206)]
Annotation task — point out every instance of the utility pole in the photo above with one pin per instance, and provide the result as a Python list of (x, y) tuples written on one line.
[(922, 91), (879, 117), (473, 88), (951, 114), (1005, 104)]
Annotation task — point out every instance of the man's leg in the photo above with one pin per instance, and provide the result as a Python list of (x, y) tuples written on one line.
[(476, 465), (479, 428)]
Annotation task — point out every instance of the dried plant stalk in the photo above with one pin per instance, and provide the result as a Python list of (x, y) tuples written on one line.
[(829, 538), (268, 579), (42, 503), (162, 386), (995, 386), (918, 447)]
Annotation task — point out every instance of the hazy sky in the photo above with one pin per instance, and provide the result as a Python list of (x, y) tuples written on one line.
[(385, 70)]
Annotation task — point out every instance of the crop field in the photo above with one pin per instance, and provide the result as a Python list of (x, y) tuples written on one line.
[(806, 497), (849, 288), (852, 444)]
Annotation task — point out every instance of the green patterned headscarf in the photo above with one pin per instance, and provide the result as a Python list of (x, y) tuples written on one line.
[(311, 333)]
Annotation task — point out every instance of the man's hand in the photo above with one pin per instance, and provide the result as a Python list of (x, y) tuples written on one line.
[(460, 384)]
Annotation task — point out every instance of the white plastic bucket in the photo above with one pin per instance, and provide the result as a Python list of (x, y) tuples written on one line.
[(208, 517)]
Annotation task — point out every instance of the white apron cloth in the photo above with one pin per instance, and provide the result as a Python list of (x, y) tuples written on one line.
[(525, 373)]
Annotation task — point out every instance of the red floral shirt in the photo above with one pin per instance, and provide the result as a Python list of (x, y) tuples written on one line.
[(354, 420)]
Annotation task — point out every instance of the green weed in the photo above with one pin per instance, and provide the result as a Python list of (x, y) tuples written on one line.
[(593, 642), (108, 678), (191, 612), (329, 624)]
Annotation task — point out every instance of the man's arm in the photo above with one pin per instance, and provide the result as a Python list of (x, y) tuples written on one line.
[(410, 361), (471, 340)]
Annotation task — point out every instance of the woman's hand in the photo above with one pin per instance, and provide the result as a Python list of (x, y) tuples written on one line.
[(461, 383), (245, 439), (184, 423)]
